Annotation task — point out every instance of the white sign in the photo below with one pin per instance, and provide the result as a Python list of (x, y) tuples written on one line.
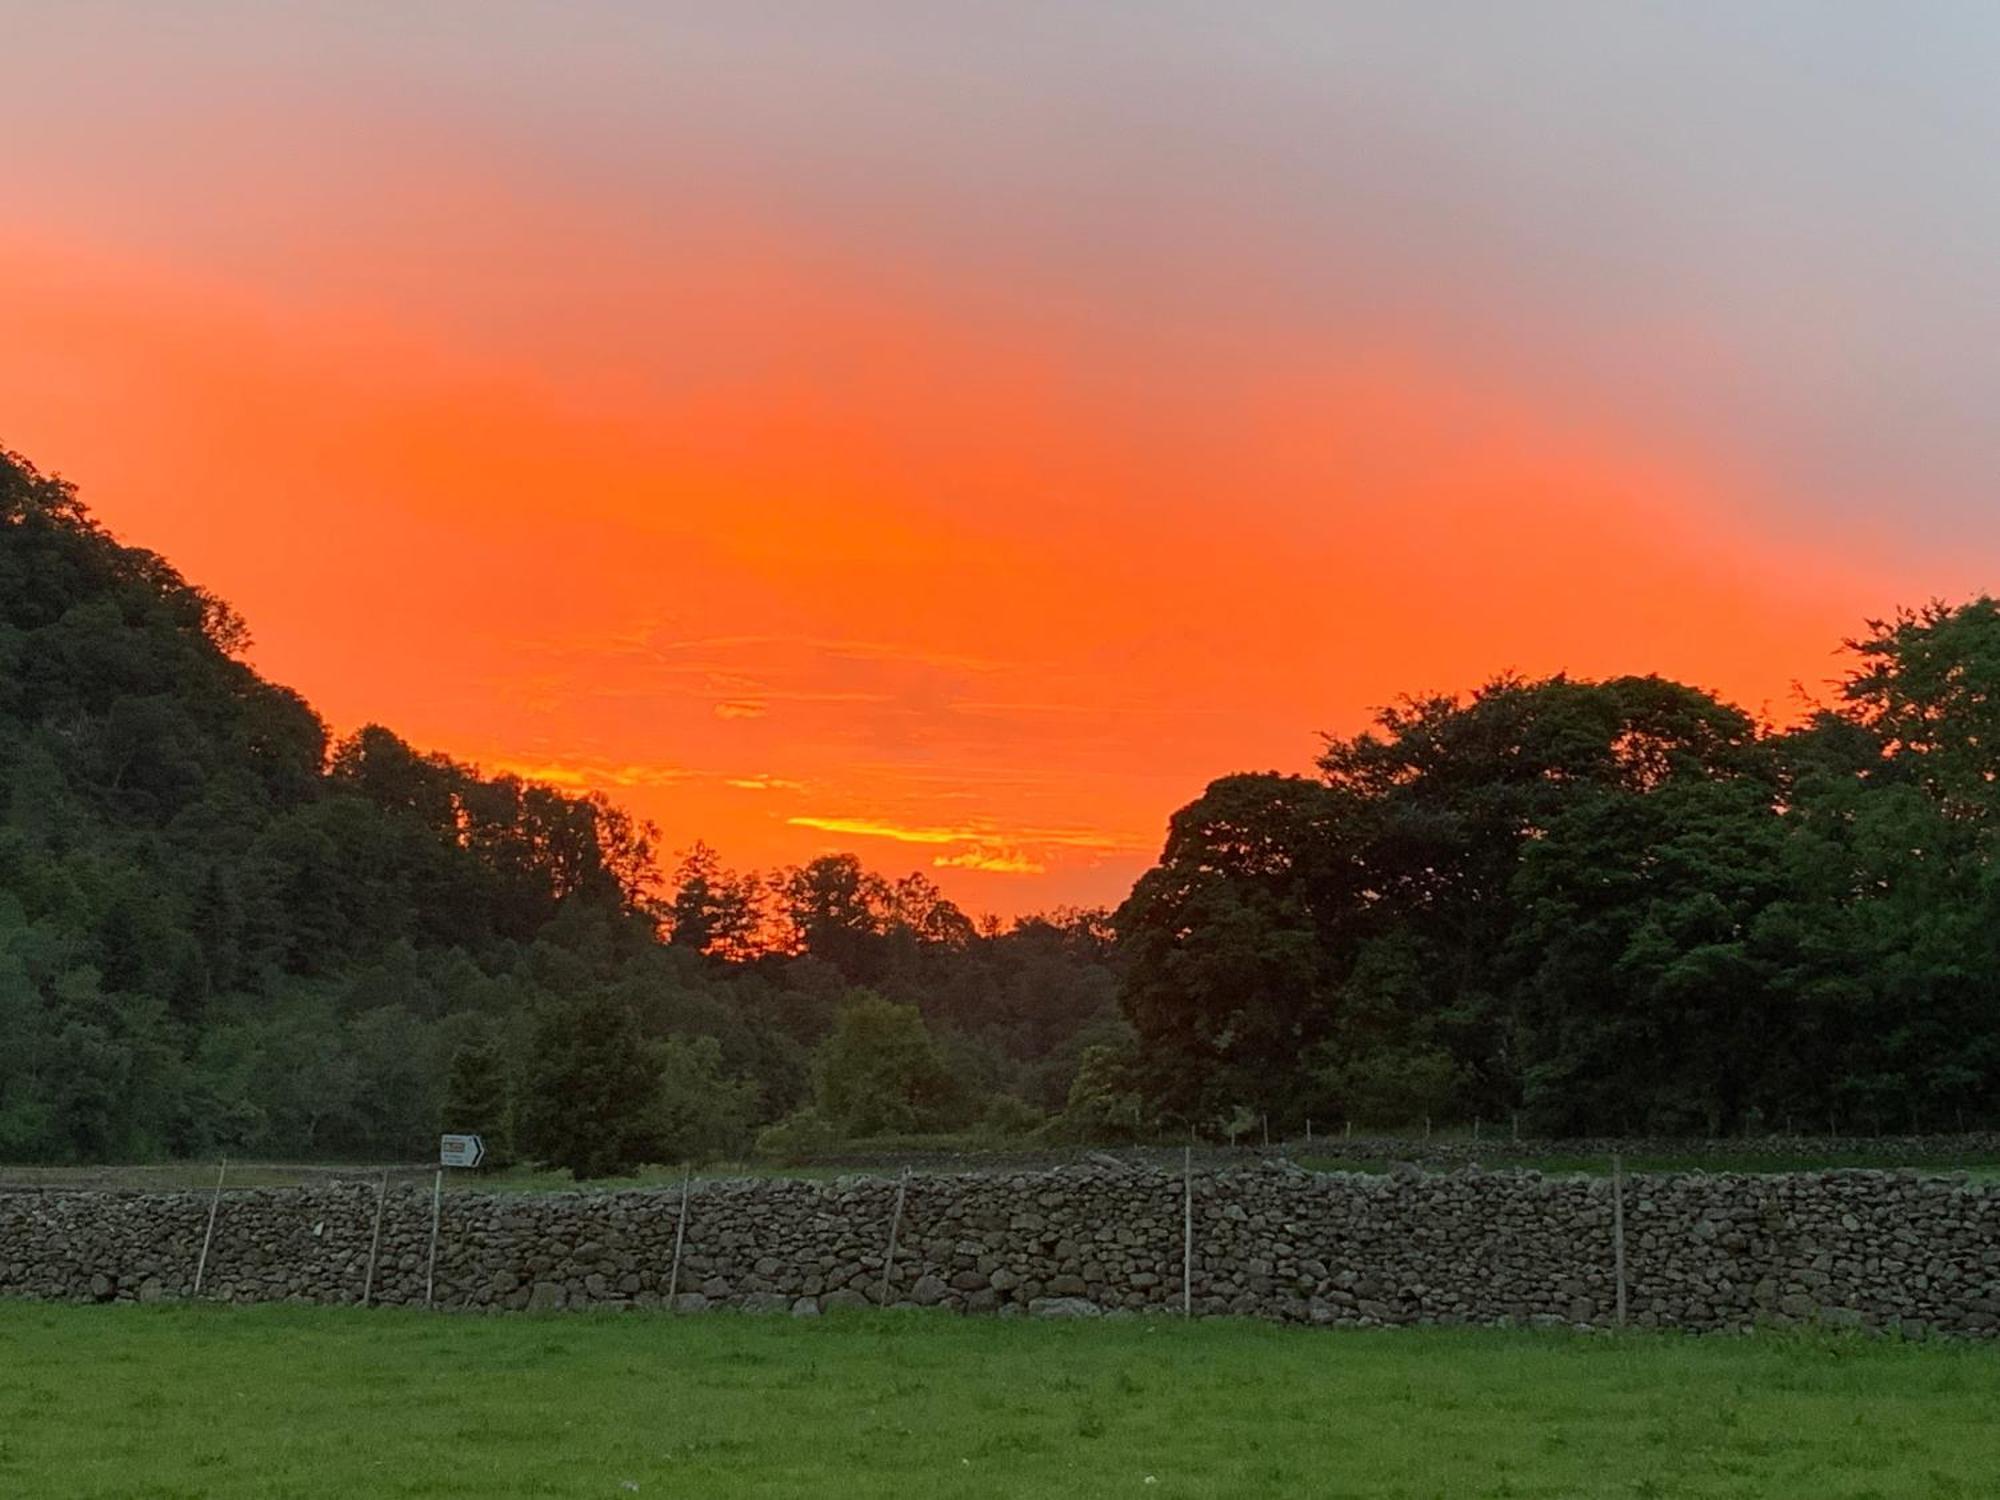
[(461, 1151)]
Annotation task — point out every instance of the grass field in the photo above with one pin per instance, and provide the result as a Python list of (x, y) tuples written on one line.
[(170, 1403)]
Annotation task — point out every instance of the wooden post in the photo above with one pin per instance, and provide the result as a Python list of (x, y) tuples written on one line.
[(680, 1238), (1475, 1127), (895, 1223), (1349, 1131), (1618, 1232), (1309, 1130), (208, 1237), (375, 1243), (1427, 1127), (1267, 1131), (437, 1213), (1187, 1234)]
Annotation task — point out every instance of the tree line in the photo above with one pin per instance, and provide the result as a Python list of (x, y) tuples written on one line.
[(1618, 906), (222, 930), (1605, 907)]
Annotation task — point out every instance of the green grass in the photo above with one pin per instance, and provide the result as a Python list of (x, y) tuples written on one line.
[(276, 1402)]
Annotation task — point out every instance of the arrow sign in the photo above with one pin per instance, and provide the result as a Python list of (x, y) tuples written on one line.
[(461, 1151)]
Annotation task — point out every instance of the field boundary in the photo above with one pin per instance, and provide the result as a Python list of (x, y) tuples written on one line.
[(1895, 1251)]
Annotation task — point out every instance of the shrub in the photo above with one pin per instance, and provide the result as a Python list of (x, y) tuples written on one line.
[(797, 1138)]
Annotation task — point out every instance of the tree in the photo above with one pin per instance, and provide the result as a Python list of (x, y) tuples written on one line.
[(479, 1096), (714, 912), (1382, 1063), (1647, 999), (1105, 1103), (1927, 685), (701, 1113), (917, 907), (591, 1088), (1226, 983), (879, 1073), (26, 1125), (838, 913), (1349, 945)]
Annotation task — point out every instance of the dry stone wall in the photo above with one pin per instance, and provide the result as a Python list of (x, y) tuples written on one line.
[(1890, 1251)]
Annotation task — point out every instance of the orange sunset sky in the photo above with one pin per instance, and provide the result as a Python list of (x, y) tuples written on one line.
[(956, 432)]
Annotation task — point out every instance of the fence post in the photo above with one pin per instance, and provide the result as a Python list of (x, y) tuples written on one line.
[(1187, 1233), (375, 1243), (437, 1213), (1618, 1232), (895, 1223), (214, 1203), (680, 1238)]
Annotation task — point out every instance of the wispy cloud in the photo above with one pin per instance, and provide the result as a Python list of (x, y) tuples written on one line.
[(979, 845), (869, 828), (991, 864), (584, 774), (970, 832), (580, 772)]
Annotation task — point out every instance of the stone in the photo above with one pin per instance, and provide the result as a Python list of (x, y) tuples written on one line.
[(1064, 1307), (1915, 1255)]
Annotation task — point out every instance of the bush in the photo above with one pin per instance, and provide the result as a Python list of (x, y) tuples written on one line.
[(797, 1138), (700, 1113), (879, 1073), (1006, 1115)]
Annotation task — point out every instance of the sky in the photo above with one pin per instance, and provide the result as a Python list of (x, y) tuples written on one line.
[(956, 432)]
